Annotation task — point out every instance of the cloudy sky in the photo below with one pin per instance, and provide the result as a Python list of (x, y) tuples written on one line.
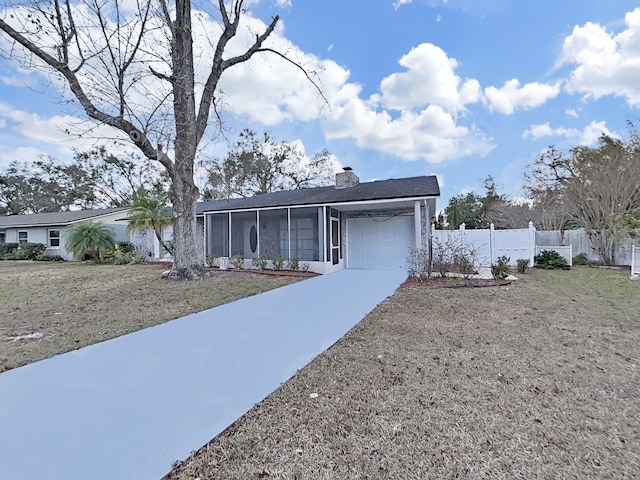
[(458, 88)]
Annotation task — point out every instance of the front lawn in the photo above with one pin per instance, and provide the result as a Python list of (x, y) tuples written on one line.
[(539, 379), (50, 308)]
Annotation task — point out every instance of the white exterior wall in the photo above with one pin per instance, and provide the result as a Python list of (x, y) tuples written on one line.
[(40, 234)]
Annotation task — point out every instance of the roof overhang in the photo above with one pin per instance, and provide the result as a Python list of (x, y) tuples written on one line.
[(359, 205)]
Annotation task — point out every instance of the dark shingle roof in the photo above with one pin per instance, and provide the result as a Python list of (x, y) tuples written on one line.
[(55, 218), (379, 190)]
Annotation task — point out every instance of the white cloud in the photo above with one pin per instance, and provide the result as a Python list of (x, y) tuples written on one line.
[(283, 3), (397, 4), (512, 96), (438, 18), (430, 79), (440, 178), (430, 134), (588, 136), (572, 112), (605, 63), (21, 154)]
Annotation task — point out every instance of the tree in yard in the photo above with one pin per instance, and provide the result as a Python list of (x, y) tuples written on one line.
[(44, 185), (132, 67), (598, 185), (257, 164), (90, 237), (117, 178), (472, 209), (149, 210)]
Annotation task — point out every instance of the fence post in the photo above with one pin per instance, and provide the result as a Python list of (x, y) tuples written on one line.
[(492, 243), (532, 243)]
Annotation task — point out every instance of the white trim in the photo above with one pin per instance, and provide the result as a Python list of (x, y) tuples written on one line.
[(323, 257), (49, 230), (338, 204), (417, 225), (258, 233), (289, 231), (18, 232)]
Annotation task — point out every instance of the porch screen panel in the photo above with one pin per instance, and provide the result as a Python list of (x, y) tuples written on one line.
[(218, 234), (274, 234), (304, 234)]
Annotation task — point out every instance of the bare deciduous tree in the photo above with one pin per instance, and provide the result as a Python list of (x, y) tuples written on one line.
[(132, 66), (596, 185)]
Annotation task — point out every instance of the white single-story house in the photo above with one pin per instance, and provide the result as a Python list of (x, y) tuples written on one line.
[(49, 228), (372, 225)]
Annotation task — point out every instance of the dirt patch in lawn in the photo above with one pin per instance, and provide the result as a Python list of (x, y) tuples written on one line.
[(452, 282), (539, 379), (51, 308)]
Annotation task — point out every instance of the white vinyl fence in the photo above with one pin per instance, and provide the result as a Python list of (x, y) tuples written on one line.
[(492, 244), (579, 241), (635, 261)]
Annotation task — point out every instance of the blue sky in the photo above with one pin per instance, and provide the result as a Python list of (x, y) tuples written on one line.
[(458, 88)]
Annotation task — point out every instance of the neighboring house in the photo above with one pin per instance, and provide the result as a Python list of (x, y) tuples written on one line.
[(372, 225), (50, 228)]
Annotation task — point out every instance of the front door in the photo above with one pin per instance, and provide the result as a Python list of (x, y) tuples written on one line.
[(250, 239)]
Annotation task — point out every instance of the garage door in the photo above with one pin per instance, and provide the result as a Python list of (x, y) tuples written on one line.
[(380, 243)]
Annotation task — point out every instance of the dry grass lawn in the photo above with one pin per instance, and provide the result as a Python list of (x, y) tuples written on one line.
[(538, 380), (72, 305)]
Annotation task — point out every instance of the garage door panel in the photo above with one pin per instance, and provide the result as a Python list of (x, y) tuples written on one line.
[(382, 243)]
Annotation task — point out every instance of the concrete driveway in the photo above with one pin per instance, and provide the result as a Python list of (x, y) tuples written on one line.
[(130, 407)]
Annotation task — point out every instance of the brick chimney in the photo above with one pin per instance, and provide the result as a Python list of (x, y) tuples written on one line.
[(346, 178)]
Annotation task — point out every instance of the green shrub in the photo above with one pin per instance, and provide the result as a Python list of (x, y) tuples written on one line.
[(211, 260), (29, 251), (305, 267), (237, 260), (126, 247), (260, 261), (278, 262), (581, 259), (551, 260), (500, 270), (294, 264), (522, 264), (7, 249)]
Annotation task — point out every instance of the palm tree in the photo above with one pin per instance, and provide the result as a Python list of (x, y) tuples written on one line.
[(150, 210), (90, 237)]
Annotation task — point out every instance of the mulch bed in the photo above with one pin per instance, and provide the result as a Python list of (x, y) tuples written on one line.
[(274, 273), (452, 282)]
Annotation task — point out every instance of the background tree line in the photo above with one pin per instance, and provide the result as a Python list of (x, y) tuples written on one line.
[(255, 164), (595, 188)]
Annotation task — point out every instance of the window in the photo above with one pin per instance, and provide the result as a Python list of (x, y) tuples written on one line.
[(23, 237), (3, 237), (54, 238)]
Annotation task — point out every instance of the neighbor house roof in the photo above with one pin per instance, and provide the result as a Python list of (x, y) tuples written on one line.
[(55, 218), (426, 186)]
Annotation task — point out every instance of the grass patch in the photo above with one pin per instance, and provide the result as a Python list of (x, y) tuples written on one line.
[(73, 305), (539, 379)]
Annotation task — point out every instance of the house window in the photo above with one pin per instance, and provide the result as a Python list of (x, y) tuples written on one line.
[(23, 237), (3, 237), (54, 238)]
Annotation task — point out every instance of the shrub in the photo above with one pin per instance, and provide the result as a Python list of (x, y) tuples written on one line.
[(211, 260), (29, 251), (260, 261), (551, 260), (126, 247), (7, 249), (522, 263), (451, 255), (294, 264), (305, 267), (581, 259), (278, 262), (500, 269), (419, 264), (237, 260), (43, 257)]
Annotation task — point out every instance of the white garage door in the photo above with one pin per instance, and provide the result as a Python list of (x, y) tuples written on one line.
[(380, 243)]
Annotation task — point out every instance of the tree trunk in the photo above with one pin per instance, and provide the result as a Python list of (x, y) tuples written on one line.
[(188, 257)]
